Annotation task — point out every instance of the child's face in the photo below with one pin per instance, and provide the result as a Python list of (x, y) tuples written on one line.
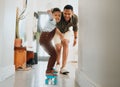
[(57, 16)]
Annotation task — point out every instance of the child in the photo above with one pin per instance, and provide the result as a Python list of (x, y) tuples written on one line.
[(47, 36)]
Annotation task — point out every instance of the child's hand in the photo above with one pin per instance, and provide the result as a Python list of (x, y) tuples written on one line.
[(49, 12)]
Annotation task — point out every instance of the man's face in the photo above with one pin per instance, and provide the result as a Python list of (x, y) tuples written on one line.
[(67, 13)]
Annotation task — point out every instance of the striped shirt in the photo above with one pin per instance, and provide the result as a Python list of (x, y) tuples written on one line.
[(49, 26)]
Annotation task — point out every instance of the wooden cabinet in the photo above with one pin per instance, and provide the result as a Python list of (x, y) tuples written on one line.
[(30, 55), (20, 54)]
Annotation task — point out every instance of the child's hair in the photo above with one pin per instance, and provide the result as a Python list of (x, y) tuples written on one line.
[(55, 9)]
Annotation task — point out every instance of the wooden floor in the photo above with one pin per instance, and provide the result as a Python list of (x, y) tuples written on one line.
[(36, 77)]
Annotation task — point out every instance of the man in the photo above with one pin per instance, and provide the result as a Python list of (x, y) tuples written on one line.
[(68, 19)]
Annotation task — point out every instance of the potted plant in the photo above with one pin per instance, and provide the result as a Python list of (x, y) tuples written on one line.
[(18, 40)]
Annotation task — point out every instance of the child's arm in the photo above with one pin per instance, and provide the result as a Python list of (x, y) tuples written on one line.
[(50, 14), (50, 23), (59, 33)]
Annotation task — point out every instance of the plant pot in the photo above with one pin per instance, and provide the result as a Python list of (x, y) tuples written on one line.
[(18, 42)]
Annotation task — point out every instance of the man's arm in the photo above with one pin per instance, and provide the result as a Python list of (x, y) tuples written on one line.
[(75, 37), (75, 34), (59, 33), (75, 29)]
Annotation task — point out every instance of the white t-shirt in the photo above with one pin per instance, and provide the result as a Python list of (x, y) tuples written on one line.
[(49, 26)]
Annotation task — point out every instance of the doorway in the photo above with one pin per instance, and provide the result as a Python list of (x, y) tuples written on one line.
[(73, 55)]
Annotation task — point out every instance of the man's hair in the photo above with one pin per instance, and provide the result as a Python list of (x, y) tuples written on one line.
[(55, 9), (68, 7)]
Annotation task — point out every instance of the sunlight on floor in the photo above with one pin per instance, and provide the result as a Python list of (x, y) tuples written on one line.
[(36, 77)]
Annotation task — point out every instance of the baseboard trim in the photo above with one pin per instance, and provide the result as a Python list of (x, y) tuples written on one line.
[(6, 72), (83, 80)]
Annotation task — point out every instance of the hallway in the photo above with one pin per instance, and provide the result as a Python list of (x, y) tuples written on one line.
[(36, 77), (98, 43)]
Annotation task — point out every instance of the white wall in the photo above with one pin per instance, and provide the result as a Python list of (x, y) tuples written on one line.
[(1, 26), (99, 43), (7, 34), (48, 4)]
